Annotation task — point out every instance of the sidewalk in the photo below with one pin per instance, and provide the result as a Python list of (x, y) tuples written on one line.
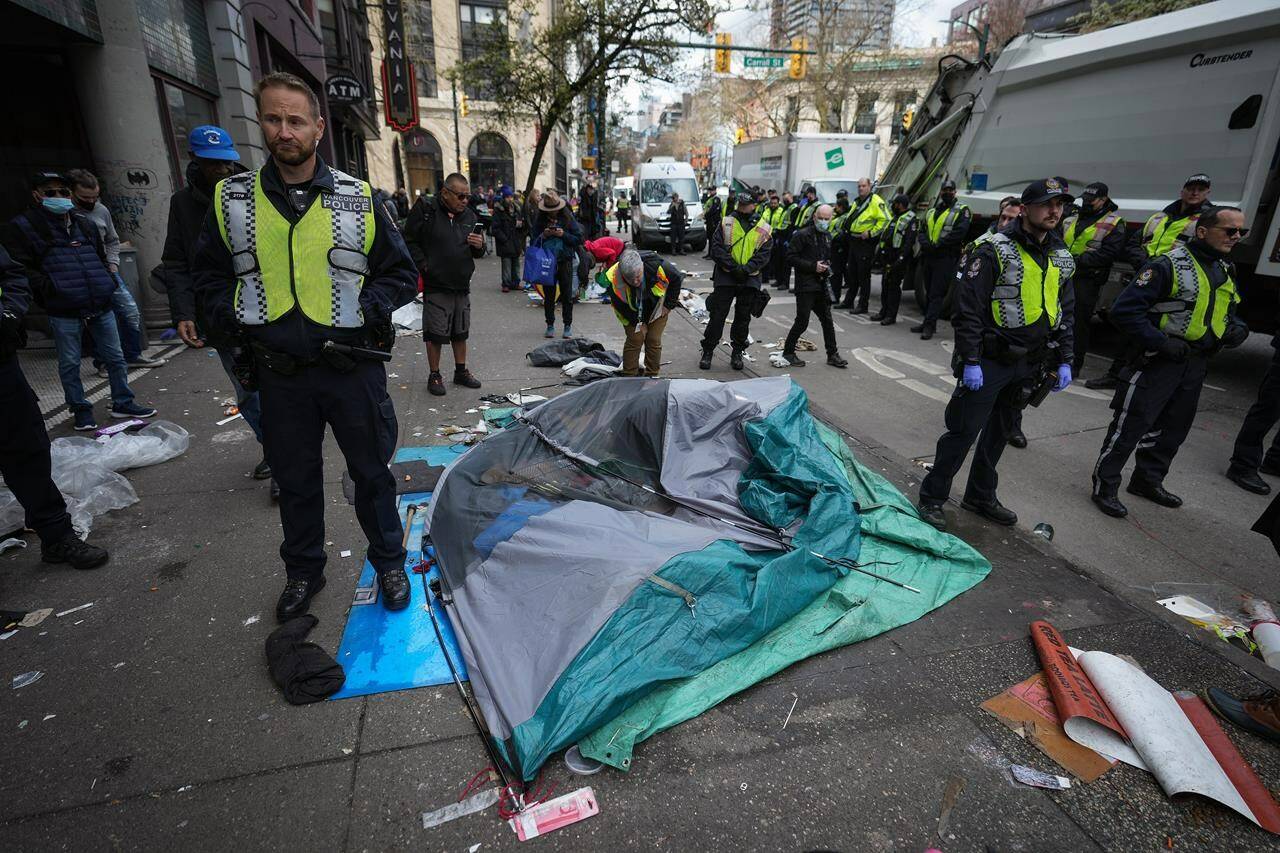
[(167, 733)]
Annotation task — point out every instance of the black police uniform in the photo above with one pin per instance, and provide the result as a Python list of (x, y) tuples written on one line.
[(297, 404), (24, 444), (1247, 456), (737, 286), (839, 254), (940, 261), (898, 263), (1010, 359), (1156, 400), (1093, 268)]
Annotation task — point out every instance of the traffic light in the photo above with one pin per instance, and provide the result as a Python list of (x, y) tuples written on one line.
[(908, 117), (740, 136), (466, 167), (797, 69), (722, 56), (464, 107)]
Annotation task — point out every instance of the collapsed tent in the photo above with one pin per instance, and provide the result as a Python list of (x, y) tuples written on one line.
[(636, 550)]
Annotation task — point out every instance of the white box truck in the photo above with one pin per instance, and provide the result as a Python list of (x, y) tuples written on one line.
[(829, 161), (1139, 107), (655, 180)]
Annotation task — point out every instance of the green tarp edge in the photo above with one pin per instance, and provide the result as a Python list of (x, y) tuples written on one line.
[(855, 608)]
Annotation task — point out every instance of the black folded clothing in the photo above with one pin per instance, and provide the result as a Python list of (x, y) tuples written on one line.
[(423, 477), (304, 671)]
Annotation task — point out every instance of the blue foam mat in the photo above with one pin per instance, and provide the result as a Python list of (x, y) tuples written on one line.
[(383, 651)]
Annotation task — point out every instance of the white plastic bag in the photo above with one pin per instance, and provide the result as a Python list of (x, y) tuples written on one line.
[(156, 442)]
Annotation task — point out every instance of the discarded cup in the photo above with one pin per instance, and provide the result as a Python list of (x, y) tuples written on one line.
[(579, 764), (27, 678), (1044, 530)]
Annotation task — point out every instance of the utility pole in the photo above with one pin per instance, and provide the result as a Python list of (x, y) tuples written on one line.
[(457, 143)]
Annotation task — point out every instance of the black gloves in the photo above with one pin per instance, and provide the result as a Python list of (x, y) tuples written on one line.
[(1175, 349), (1235, 335), (12, 336)]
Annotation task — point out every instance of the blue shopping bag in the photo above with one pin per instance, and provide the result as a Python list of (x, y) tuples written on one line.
[(539, 265)]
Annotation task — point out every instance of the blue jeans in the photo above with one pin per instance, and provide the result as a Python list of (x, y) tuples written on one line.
[(246, 401), (106, 343), (128, 322)]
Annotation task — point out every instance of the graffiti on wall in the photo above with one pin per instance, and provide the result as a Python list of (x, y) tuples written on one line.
[(128, 192)]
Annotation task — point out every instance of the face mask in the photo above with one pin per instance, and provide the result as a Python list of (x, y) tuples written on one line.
[(823, 224), (58, 205)]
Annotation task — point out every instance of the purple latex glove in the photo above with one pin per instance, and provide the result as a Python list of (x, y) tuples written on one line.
[(972, 378), (1064, 377)]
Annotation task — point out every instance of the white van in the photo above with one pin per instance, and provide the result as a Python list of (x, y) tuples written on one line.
[(656, 179)]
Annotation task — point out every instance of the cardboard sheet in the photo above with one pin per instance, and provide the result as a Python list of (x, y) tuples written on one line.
[(1028, 709)]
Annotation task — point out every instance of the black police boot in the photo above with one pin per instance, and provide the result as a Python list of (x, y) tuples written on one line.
[(262, 470), (917, 329), (1110, 504), (793, 359), (858, 309), (1249, 481), (931, 514), (735, 359), (992, 511), (74, 550), (296, 598), (395, 589), (1271, 468), (1017, 439), (836, 361), (888, 321), (704, 363), (1153, 493), (876, 317), (1102, 382), (927, 332), (275, 491)]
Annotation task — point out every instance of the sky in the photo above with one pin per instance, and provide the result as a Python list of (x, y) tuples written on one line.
[(915, 23)]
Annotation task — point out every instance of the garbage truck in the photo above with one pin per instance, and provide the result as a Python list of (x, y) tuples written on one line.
[(1140, 107), (829, 162)]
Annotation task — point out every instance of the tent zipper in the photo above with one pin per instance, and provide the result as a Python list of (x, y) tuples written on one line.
[(690, 600)]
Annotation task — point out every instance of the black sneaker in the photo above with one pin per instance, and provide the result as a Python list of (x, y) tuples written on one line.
[(435, 384), (465, 378), (395, 589), (74, 550), (262, 470), (735, 360), (704, 363), (931, 514), (296, 597), (837, 361), (793, 359)]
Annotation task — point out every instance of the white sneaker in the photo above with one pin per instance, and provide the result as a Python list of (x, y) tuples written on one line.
[(144, 361)]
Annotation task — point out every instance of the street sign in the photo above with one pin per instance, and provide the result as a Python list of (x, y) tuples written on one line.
[(835, 158), (762, 62)]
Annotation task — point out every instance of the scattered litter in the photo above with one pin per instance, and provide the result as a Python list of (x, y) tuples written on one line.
[(12, 543), (554, 814), (35, 617), (48, 717), (694, 304), (75, 609), (453, 811), (802, 345), (777, 359), (472, 411), (23, 724), (1039, 779), (793, 708), (226, 421), (407, 318), (7, 634), (344, 553), (393, 375), (346, 751), (1044, 530), (580, 765), (117, 666), (27, 678), (254, 618), (473, 848), (949, 798), (184, 788)]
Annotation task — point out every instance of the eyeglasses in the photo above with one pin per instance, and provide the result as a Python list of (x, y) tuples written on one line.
[(57, 191), (1231, 232)]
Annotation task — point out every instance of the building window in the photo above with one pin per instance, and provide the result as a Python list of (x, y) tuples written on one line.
[(562, 172), (181, 109), (865, 121), (479, 21), (175, 35), (422, 47), (329, 32), (425, 162), (901, 103), (490, 161)]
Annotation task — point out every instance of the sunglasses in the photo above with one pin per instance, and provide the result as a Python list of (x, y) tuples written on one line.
[(60, 191), (1232, 232)]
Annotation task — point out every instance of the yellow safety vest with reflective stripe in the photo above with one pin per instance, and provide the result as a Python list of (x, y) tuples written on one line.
[(872, 219), (623, 293), (742, 242), (1091, 237), (1199, 299), (937, 227), (1024, 292), (317, 264), (789, 217), (1162, 232), (895, 233), (775, 216), (805, 214)]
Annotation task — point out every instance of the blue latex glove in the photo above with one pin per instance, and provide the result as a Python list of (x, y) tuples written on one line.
[(972, 378), (1064, 377)]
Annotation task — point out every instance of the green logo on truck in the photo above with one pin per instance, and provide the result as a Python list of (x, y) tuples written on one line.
[(835, 158)]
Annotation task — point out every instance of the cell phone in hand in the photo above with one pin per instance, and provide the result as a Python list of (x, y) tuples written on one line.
[(477, 228)]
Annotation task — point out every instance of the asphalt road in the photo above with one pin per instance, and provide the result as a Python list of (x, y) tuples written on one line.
[(896, 388)]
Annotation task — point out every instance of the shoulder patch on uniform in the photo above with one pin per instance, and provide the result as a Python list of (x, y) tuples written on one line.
[(1144, 276), (974, 267)]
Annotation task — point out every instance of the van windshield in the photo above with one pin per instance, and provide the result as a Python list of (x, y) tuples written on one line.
[(659, 190), (827, 189)]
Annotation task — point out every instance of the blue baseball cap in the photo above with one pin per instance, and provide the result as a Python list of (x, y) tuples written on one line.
[(210, 142)]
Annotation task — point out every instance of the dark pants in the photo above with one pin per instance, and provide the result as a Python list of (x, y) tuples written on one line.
[(510, 272), (1262, 416), (718, 303), (564, 293), (1154, 407), (891, 289), (858, 272), (677, 238), (24, 456), (624, 222), (939, 275), (839, 268), (1087, 290), (781, 267), (355, 406), (970, 413), (815, 302)]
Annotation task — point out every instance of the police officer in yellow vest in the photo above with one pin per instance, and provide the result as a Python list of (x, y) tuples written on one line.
[(1096, 238), (943, 234), (299, 264), (1013, 332), (867, 218), (773, 213), (1162, 232), (740, 250), (1181, 307)]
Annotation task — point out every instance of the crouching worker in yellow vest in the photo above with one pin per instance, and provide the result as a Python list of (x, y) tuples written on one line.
[(299, 265), (643, 289)]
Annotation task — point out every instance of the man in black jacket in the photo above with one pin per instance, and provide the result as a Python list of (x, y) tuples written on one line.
[(1095, 238), (740, 248), (444, 238), (678, 215), (1014, 317), (507, 225), (24, 444), (213, 157), (810, 254)]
